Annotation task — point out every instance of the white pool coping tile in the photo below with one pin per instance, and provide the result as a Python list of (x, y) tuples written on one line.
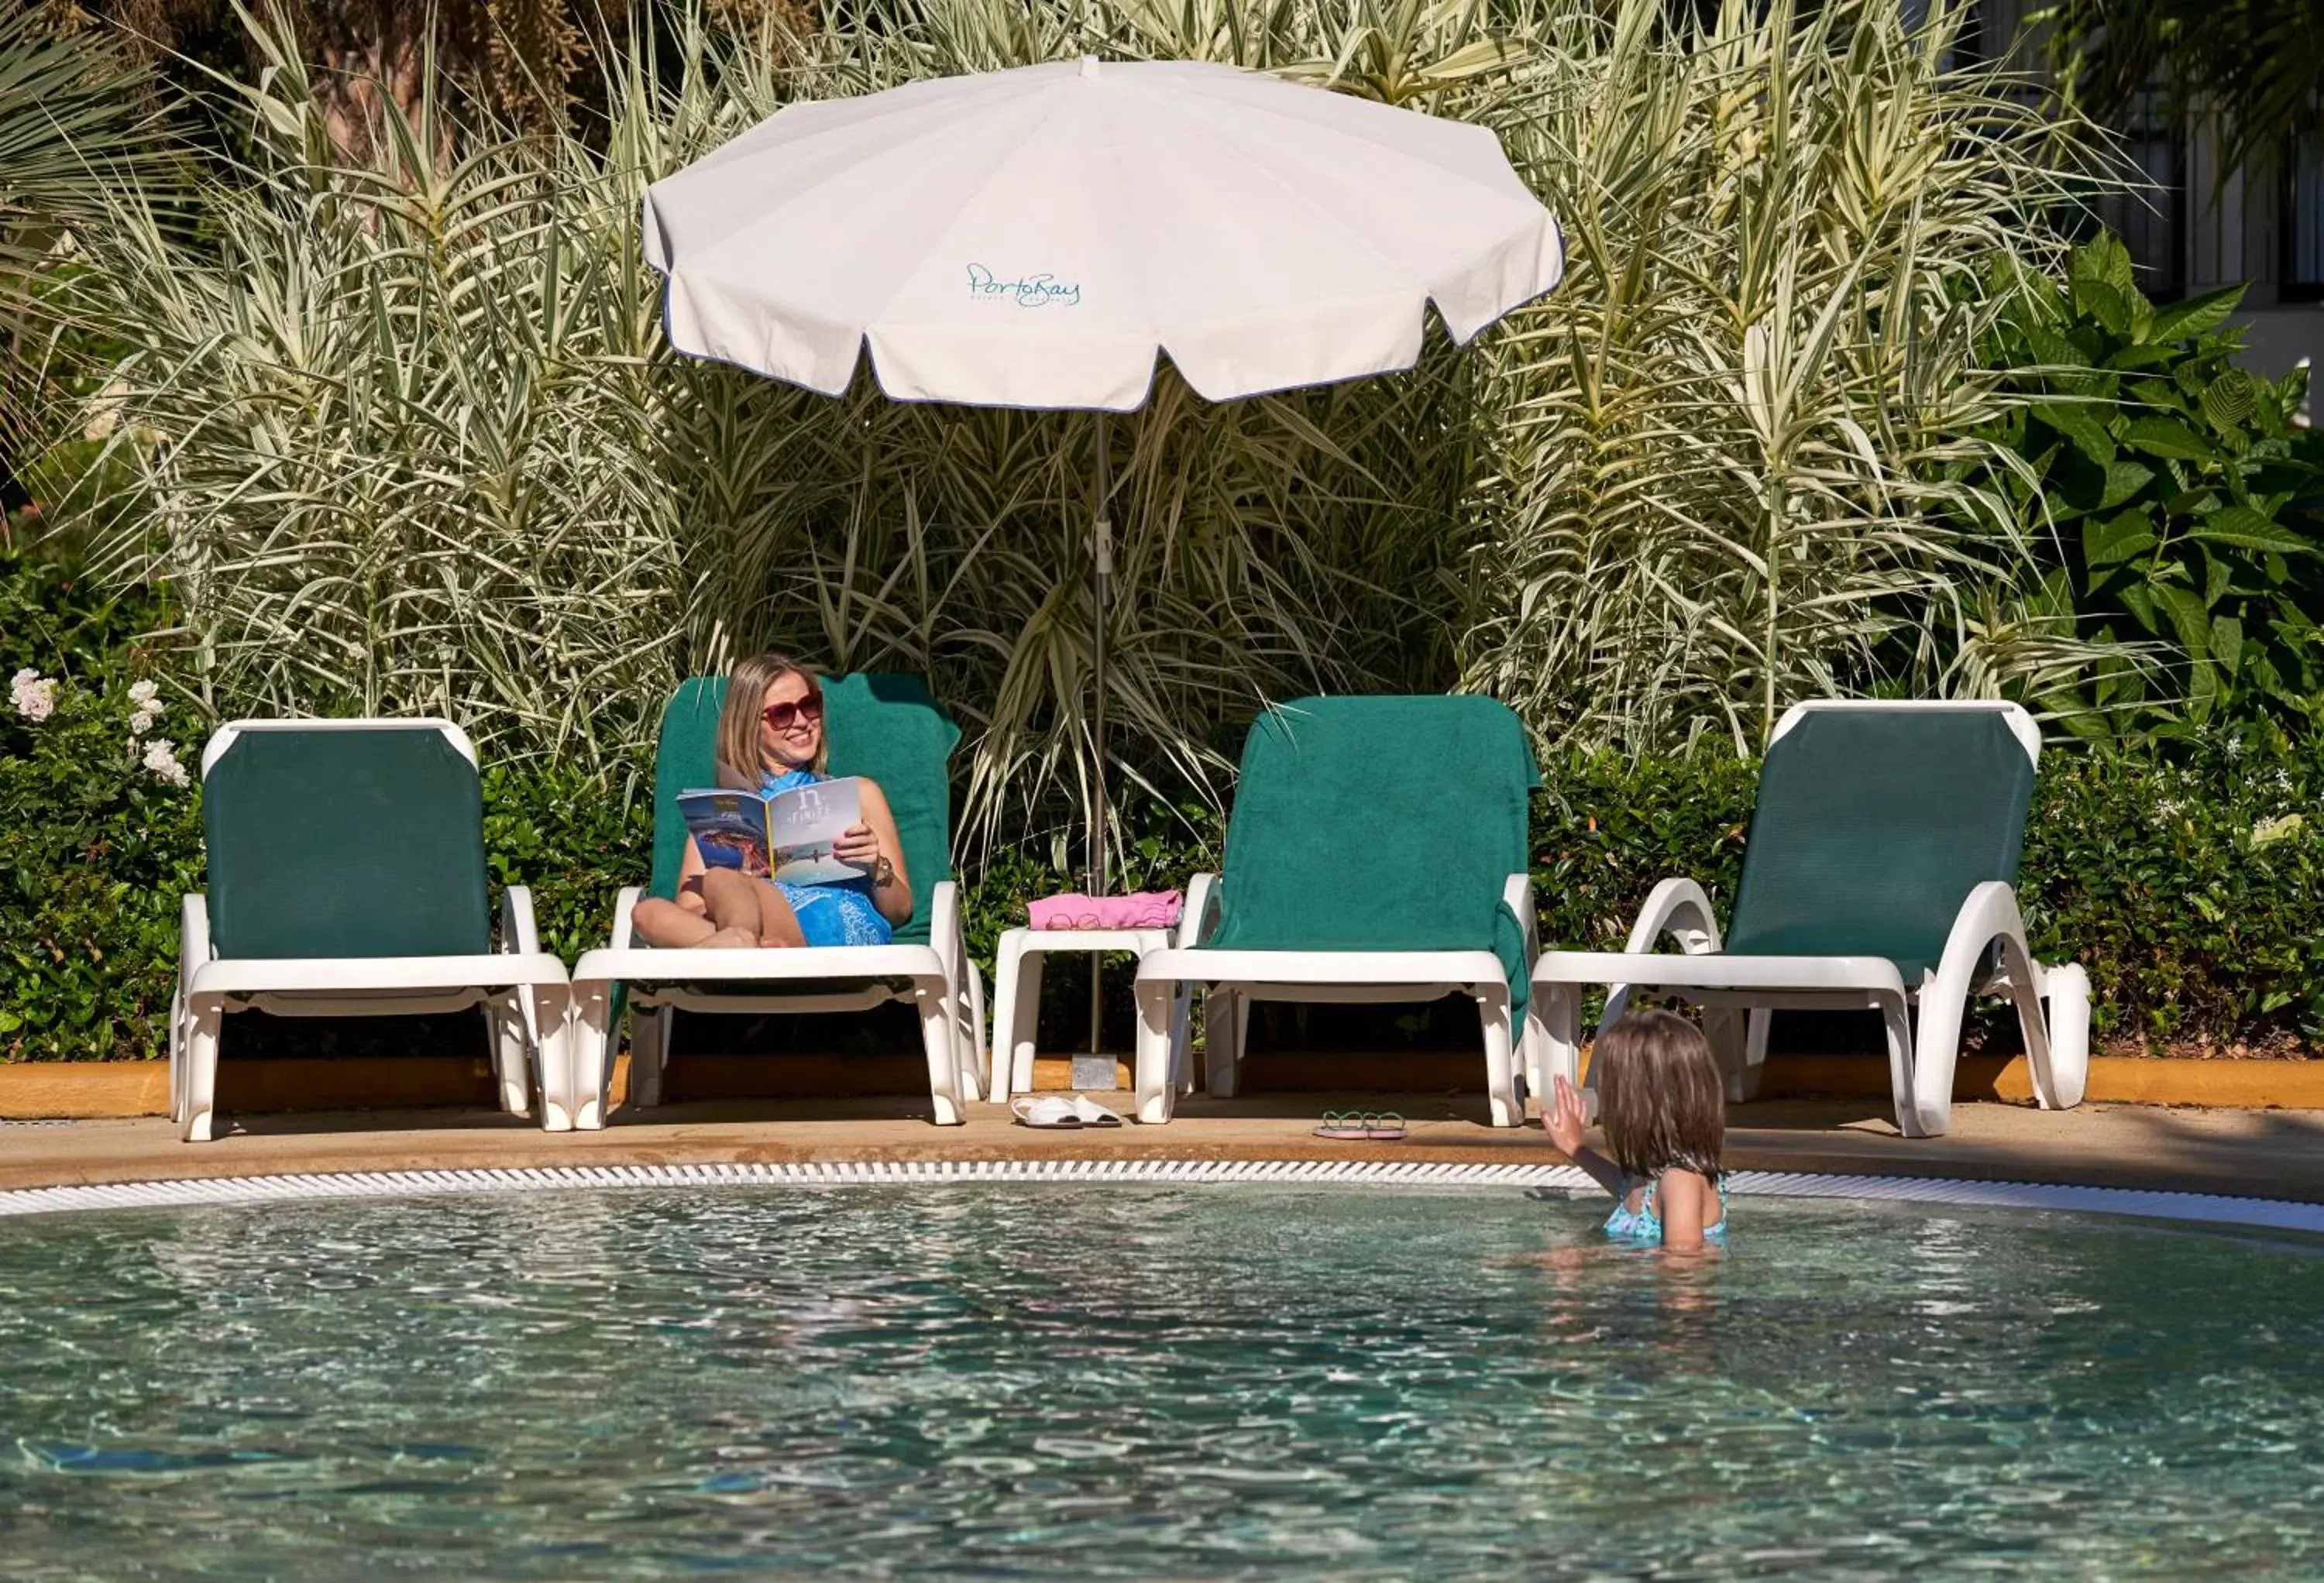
[(2213, 1207)]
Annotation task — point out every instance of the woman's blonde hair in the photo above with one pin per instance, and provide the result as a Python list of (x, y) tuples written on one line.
[(1661, 1098), (738, 722)]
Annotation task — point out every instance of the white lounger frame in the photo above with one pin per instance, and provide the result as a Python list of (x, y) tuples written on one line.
[(521, 987), (941, 980), (1234, 978), (1742, 992)]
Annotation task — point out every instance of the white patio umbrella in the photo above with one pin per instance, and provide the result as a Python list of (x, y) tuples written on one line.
[(1037, 237)]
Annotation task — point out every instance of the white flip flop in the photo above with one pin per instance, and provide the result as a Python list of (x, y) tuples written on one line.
[(1063, 1112), (1050, 1110), (1093, 1114)]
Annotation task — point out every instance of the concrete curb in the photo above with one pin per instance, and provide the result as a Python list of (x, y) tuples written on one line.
[(112, 1089)]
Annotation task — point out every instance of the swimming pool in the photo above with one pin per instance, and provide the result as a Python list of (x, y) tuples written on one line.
[(1060, 1380)]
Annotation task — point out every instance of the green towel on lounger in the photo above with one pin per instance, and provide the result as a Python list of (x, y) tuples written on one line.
[(882, 725), (1369, 824)]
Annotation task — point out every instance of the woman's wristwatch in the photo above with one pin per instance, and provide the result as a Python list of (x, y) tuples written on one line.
[(883, 872)]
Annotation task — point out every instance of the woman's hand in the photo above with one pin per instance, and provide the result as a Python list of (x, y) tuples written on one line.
[(1566, 1118), (858, 847)]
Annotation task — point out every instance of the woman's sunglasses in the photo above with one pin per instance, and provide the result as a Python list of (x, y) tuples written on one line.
[(781, 715)]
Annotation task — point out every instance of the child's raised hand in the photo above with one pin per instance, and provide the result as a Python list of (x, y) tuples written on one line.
[(1565, 1118)]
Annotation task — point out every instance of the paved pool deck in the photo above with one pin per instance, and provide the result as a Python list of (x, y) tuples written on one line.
[(2258, 1153)]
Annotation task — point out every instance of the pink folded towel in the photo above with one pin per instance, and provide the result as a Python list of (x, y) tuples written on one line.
[(1144, 909)]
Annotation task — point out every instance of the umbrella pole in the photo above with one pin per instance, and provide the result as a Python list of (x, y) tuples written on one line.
[(1101, 577)]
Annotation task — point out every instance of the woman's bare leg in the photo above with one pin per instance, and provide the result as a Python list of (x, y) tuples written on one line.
[(778, 924), (669, 926), (747, 911)]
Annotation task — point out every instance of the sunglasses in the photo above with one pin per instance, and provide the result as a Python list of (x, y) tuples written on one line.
[(781, 715)]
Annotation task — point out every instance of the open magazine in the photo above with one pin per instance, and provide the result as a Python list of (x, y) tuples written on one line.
[(785, 836)]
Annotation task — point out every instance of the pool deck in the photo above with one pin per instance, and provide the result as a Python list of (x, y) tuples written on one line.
[(2257, 1152)]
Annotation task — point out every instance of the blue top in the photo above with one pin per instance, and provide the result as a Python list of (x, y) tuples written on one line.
[(1643, 1226), (838, 912)]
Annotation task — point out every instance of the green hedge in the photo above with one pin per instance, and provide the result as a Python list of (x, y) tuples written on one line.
[(2184, 876)]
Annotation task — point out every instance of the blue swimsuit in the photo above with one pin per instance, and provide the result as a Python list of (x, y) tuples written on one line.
[(1643, 1226), (840, 912)]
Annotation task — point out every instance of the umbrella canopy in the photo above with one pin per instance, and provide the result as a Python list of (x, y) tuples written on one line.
[(1035, 237)]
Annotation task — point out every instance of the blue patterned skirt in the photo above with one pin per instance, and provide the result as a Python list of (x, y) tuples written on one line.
[(841, 912)]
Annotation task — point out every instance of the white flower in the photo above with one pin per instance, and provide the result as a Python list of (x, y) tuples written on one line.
[(34, 695), (162, 759), (147, 697)]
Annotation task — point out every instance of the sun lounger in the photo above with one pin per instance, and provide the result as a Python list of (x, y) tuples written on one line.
[(883, 726), (1376, 852), (1879, 874), (347, 877)]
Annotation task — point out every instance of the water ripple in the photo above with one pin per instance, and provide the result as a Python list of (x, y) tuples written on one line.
[(1048, 1381)]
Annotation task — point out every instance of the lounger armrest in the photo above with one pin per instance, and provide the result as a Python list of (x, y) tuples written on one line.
[(1676, 906), (1518, 896), (518, 937), (943, 922), (625, 935), (1202, 915), (193, 935)]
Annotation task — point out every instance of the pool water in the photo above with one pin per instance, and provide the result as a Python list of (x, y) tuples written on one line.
[(1185, 1382)]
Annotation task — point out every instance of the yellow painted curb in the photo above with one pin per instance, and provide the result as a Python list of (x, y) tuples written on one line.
[(40, 1090), (2117, 1080)]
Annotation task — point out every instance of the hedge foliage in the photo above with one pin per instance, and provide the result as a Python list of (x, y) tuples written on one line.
[(2187, 876)]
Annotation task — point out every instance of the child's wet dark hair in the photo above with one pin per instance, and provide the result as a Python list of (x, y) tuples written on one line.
[(1662, 1100)]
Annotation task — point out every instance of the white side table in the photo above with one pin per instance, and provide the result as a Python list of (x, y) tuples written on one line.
[(1017, 997)]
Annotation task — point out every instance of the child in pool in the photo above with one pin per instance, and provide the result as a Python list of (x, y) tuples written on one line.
[(1664, 1106), (770, 737)]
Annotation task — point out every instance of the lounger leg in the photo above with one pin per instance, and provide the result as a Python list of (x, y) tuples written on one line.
[(551, 1009), (579, 1103), (504, 1025), (1725, 1028), (649, 1032), (1226, 1019), (1011, 1021), (1182, 1051), (1896, 1021), (203, 1015), (1554, 1027), (1738, 1035), (1158, 1061), (177, 1055), (976, 1055), (933, 997), (1500, 1065), (1758, 1027), (2067, 987)]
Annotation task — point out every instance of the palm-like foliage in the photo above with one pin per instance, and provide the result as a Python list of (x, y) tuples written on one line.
[(1728, 438), (412, 440), (67, 126), (68, 113), (2255, 65)]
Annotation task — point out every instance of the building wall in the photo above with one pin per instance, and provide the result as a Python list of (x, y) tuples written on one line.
[(2194, 229)]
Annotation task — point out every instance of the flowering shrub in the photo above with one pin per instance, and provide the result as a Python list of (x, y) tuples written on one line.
[(101, 831), (2187, 877)]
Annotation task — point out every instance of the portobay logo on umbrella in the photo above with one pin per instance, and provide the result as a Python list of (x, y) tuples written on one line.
[(1042, 290)]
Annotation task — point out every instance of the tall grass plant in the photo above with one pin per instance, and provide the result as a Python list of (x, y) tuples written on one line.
[(404, 436)]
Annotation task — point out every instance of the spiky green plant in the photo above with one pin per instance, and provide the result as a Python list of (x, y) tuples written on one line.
[(408, 438), (1727, 438)]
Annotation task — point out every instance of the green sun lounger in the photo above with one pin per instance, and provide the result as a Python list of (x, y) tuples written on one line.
[(347, 878), (1375, 853), (1879, 873), (883, 726)]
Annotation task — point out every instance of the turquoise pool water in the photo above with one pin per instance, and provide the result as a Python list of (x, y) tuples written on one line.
[(1096, 1380)]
